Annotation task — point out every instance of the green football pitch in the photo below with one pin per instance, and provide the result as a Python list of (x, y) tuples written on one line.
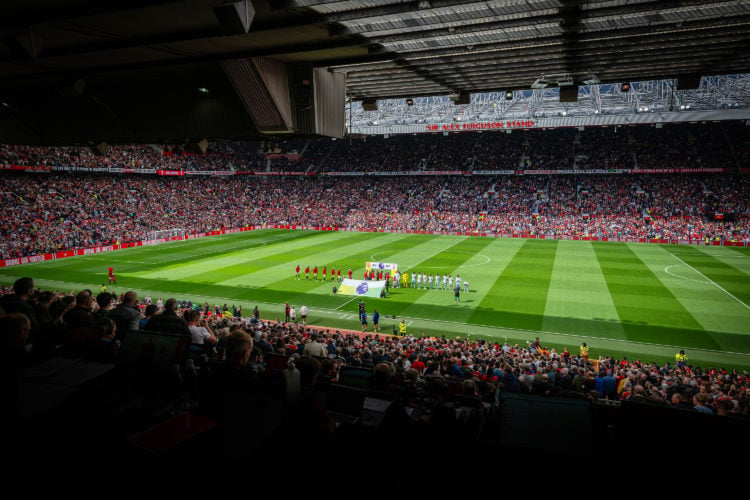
[(644, 301)]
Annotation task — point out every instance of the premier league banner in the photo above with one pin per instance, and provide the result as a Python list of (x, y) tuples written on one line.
[(381, 266), (362, 288)]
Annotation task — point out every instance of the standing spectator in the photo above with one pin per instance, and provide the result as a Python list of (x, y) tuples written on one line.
[(127, 315)]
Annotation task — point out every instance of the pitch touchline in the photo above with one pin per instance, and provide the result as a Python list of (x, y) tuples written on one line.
[(711, 281), (493, 327)]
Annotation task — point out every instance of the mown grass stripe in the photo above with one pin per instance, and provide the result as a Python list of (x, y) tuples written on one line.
[(648, 310), (518, 297), (578, 300), (220, 266)]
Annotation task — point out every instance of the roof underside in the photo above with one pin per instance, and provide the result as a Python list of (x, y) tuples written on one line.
[(160, 51)]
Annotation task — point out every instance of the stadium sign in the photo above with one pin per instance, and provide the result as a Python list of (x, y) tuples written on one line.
[(455, 127)]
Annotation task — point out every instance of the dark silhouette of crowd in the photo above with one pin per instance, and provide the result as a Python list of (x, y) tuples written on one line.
[(291, 384)]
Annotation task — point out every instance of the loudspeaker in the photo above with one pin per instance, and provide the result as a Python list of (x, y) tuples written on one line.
[(235, 18), (197, 147), (370, 104), (688, 82), (99, 149), (569, 93), (463, 98), (74, 89), (25, 45)]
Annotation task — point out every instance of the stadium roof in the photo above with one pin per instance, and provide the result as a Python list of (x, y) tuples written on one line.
[(126, 70)]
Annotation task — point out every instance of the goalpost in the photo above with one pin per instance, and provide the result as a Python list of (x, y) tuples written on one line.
[(165, 233)]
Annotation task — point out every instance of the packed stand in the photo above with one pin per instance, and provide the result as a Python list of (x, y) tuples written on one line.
[(61, 212), (97, 326)]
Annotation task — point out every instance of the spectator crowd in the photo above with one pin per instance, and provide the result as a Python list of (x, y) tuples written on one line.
[(56, 211), (38, 325)]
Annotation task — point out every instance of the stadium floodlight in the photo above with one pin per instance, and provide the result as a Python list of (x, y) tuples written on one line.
[(540, 83), (508, 95), (625, 87)]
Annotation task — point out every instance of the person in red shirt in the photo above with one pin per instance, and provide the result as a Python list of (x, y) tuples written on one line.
[(315, 273), (296, 272), (307, 273), (350, 274), (380, 275), (339, 275), (419, 365), (111, 274), (324, 273), (333, 273)]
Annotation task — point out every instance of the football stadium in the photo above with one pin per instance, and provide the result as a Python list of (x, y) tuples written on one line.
[(240, 229)]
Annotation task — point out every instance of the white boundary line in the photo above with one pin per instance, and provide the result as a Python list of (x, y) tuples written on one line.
[(710, 281), (345, 303), (666, 270)]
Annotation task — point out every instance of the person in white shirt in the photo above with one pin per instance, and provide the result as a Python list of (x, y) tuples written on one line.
[(303, 314), (315, 348), (200, 333), (293, 314)]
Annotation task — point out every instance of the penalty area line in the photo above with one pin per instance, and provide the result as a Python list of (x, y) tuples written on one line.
[(712, 282)]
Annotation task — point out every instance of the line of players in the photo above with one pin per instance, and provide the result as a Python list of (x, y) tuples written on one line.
[(422, 281), (419, 281), (335, 273)]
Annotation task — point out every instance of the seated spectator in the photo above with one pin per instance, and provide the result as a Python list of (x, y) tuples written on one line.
[(201, 334), (105, 350)]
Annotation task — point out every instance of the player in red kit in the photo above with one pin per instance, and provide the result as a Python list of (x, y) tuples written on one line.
[(350, 274), (339, 275), (307, 273), (324, 273), (111, 274), (296, 272), (333, 273), (315, 273)]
